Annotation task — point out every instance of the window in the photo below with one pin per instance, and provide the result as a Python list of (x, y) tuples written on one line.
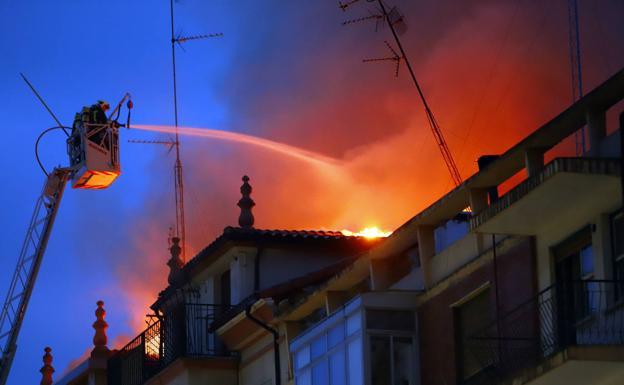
[(392, 360), (470, 317), (390, 320), (451, 231), (578, 292), (333, 356), (391, 349)]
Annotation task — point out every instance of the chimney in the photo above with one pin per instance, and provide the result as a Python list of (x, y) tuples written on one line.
[(246, 218), (47, 369)]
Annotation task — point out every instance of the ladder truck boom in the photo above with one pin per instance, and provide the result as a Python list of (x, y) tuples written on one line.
[(93, 150), (28, 265)]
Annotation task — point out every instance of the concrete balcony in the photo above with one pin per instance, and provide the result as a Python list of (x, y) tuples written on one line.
[(571, 333), (553, 196)]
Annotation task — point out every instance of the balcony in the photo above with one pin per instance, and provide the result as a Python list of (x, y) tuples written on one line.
[(572, 333), (545, 200), (185, 332)]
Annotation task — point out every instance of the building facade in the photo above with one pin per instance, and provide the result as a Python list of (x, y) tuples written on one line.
[(491, 284)]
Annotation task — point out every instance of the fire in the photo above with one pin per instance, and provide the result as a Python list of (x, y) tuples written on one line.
[(368, 232)]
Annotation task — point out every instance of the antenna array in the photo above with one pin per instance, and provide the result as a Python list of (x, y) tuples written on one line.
[(395, 20)]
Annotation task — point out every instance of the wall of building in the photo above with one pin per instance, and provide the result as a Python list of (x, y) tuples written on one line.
[(600, 225), (281, 265), (516, 277)]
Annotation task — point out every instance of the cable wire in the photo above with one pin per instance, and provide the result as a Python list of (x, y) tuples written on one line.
[(64, 128)]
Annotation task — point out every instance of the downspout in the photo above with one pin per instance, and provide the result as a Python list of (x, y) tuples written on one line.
[(275, 334)]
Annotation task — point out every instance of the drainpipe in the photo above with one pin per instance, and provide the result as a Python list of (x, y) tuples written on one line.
[(483, 162), (275, 334)]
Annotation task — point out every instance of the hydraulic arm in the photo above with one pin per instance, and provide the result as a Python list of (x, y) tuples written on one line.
[(28, 265)]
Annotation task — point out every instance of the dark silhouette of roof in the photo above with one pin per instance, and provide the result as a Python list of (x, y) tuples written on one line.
[(334, 241)]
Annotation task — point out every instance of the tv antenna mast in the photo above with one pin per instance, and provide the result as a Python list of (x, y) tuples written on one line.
[(396, 22), (180, 229), (574, 42)]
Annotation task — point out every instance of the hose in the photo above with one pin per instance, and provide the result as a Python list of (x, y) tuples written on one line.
[(37, 144)]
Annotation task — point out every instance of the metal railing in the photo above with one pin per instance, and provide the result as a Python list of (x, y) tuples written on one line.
[(185, 331), (588, 312)]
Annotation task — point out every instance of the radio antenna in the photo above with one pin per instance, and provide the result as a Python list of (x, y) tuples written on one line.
[(396, 22), (180, 229), (58, 122)]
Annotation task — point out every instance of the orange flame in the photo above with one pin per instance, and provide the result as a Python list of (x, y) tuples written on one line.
[(368, 232)]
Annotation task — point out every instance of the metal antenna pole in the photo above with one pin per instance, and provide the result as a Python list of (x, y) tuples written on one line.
[(58, 122), (178, 176), (435, 128), (574, 42)]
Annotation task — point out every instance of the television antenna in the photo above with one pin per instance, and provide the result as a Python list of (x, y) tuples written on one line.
[(180, 228), (395, 58), (395, 20)]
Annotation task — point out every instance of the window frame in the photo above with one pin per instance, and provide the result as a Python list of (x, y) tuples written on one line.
[(485, 289), (392, 334), (342, 346)]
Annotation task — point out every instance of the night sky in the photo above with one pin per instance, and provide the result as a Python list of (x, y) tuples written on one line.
[(493, 71)]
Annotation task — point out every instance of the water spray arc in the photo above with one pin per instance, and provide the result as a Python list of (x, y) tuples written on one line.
[(315, 159)]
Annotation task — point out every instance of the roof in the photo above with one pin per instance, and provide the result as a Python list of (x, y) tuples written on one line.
[(238, 236)]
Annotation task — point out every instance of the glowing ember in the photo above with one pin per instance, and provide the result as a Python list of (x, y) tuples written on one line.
[(368, 232)]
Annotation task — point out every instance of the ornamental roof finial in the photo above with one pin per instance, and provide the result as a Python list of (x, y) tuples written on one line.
[(246, 218)]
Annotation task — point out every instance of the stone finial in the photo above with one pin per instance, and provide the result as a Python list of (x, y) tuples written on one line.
[(100, 339), (175, 263), (47, 369), (246, 218)]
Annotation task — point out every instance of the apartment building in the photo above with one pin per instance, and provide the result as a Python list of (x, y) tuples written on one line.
[(522, 286), (491, 284)]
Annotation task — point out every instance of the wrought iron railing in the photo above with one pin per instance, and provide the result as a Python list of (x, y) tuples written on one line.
[(185, 331), (588, 312)]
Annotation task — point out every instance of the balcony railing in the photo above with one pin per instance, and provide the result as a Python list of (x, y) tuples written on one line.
[(186, 331), (588, 312)]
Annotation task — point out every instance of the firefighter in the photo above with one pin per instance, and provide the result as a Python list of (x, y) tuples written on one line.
[(98, 112), (97, 121)]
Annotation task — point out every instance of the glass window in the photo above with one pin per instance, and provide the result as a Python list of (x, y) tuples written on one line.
[(302, 357), (354, 322), (319, 373), (403, 360), (390, 320), (336, 335), (355, 358), (319, 347), (391, 360), (381, 364), (337, 368), (471, 317), (587, 262)]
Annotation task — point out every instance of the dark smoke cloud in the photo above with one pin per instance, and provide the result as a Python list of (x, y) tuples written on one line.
[(493, 71)]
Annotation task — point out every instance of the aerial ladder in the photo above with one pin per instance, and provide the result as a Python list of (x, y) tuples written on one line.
[(93, 149)]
